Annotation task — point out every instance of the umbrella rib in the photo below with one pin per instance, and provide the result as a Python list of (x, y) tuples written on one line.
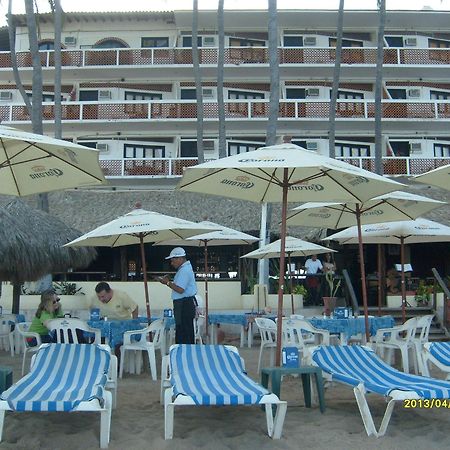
[(327, 174)]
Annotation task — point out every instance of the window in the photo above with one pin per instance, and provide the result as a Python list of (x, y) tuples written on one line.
[(439, 95), (345, 43), (438, 43), (397, 94), (442, 150), (47, 45), (295, 93), (188, 94), (155, 42), (235, 148), (394, 41), (400, 148), (243, 95), (187, 41), (349, 95), (293, 41), (352, 150), (188, 149), (130, 95), (143, 151), (46, 98), (88, 96), (238, 42)]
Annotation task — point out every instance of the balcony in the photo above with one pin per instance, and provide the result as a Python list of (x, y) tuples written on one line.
[(173, 167), (132, 62), (163, 116)]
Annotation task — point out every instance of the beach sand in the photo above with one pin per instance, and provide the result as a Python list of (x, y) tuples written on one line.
[(138, 421)]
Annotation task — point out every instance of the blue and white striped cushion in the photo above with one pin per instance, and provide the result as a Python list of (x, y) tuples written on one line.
[(441, 351), (212, 375), (355, 364), (62, 376)]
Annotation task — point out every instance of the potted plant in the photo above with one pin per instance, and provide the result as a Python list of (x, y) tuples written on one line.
[(423, 294), (329, 301)]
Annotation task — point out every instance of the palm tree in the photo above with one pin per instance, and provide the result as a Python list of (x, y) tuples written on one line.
[(220, 66), (379, 88), (198, 83), (336, 78)]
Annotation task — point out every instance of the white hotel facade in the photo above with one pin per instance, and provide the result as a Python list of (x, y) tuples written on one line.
[(129, 91)]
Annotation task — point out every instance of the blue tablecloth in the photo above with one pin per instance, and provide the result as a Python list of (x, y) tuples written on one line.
[(113, 330), (235, 318), (353, 325)]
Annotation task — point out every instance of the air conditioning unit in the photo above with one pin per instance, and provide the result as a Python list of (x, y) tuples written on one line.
[(312, 92), (208, 146), (209, 41), (415, 147), (411, 42), (208, 93), (414, 93), (313, 146), (104, 95), (102, 147), (310, 41), (5, 96), (70, 40)]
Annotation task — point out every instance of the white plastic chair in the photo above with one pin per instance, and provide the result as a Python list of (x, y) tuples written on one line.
[(397, 338), (268, 331), (66, 330), (156, 329), (6, 334), (23, 328), (199, 324), (423, 325)]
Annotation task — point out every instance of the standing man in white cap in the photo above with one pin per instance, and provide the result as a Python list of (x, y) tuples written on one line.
[(183, 289)]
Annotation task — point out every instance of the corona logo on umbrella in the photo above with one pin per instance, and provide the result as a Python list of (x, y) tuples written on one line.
[(262, 159), (242, 182), (42, 172)]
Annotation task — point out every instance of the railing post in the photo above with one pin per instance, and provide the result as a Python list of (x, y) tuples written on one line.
[(117, 56)]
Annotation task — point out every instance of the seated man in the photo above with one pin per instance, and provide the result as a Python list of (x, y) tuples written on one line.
[(393, 281), (113, 304)]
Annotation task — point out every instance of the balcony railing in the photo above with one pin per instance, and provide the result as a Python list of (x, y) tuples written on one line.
[(173, 167), (233, 56), (237, 110)]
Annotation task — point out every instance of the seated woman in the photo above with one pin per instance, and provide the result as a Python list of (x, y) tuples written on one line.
[(392, 281), (49, 308)]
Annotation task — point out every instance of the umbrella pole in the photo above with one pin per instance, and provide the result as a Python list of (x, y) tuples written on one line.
[(144, 269), (380, 278), (402, 261), (206, 286), (282, 266), (290, 283), (363, 272)]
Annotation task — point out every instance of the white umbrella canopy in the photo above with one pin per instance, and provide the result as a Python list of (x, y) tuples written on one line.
[(401, 232), (284, 173), (223, 236), (139, 227), (33, 163), (439, 177), (294, 247), (389, 207)]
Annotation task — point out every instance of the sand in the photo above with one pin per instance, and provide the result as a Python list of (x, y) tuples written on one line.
[(138, 422)]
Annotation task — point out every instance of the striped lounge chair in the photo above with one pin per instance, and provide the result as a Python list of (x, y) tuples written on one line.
[(199, 375), (437, 353), (361, 368), (64, 377)]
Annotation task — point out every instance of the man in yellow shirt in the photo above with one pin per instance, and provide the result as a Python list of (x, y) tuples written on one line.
[(113, 303)]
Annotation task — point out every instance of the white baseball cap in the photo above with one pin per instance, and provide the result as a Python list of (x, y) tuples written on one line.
[(177, 252)]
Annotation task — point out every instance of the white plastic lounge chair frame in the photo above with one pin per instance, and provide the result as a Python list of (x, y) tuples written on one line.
[(437, 353), (361, 368), (101, 403), (22, 329), (213, 357)]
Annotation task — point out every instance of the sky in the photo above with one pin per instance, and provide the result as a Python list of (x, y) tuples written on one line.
[(164, 5)]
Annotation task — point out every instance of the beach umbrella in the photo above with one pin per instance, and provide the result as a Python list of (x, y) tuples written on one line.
[(439, 177), (139, 227), (403, 232), (223, 236), (388, 207), (281, 174), (293, 247), (31, 245), (33, 163)]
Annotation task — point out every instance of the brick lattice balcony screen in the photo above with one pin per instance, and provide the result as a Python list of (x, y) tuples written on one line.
[(344, 109), (419, 165), (236, 109), (394, 166), (101, 58), (24, 59), (5, 60), (178, 164), (4, 113), (20, 113), (174, 111), (157, 167), (68, 58), (287, 109), (316, 110), (246, 55), (112, 168), (291, 55), (443, 111)]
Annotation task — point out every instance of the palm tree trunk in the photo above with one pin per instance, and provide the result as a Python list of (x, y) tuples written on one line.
[(220, 65), (57, 13), (198, 83), (336, 78), (379, 88)]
